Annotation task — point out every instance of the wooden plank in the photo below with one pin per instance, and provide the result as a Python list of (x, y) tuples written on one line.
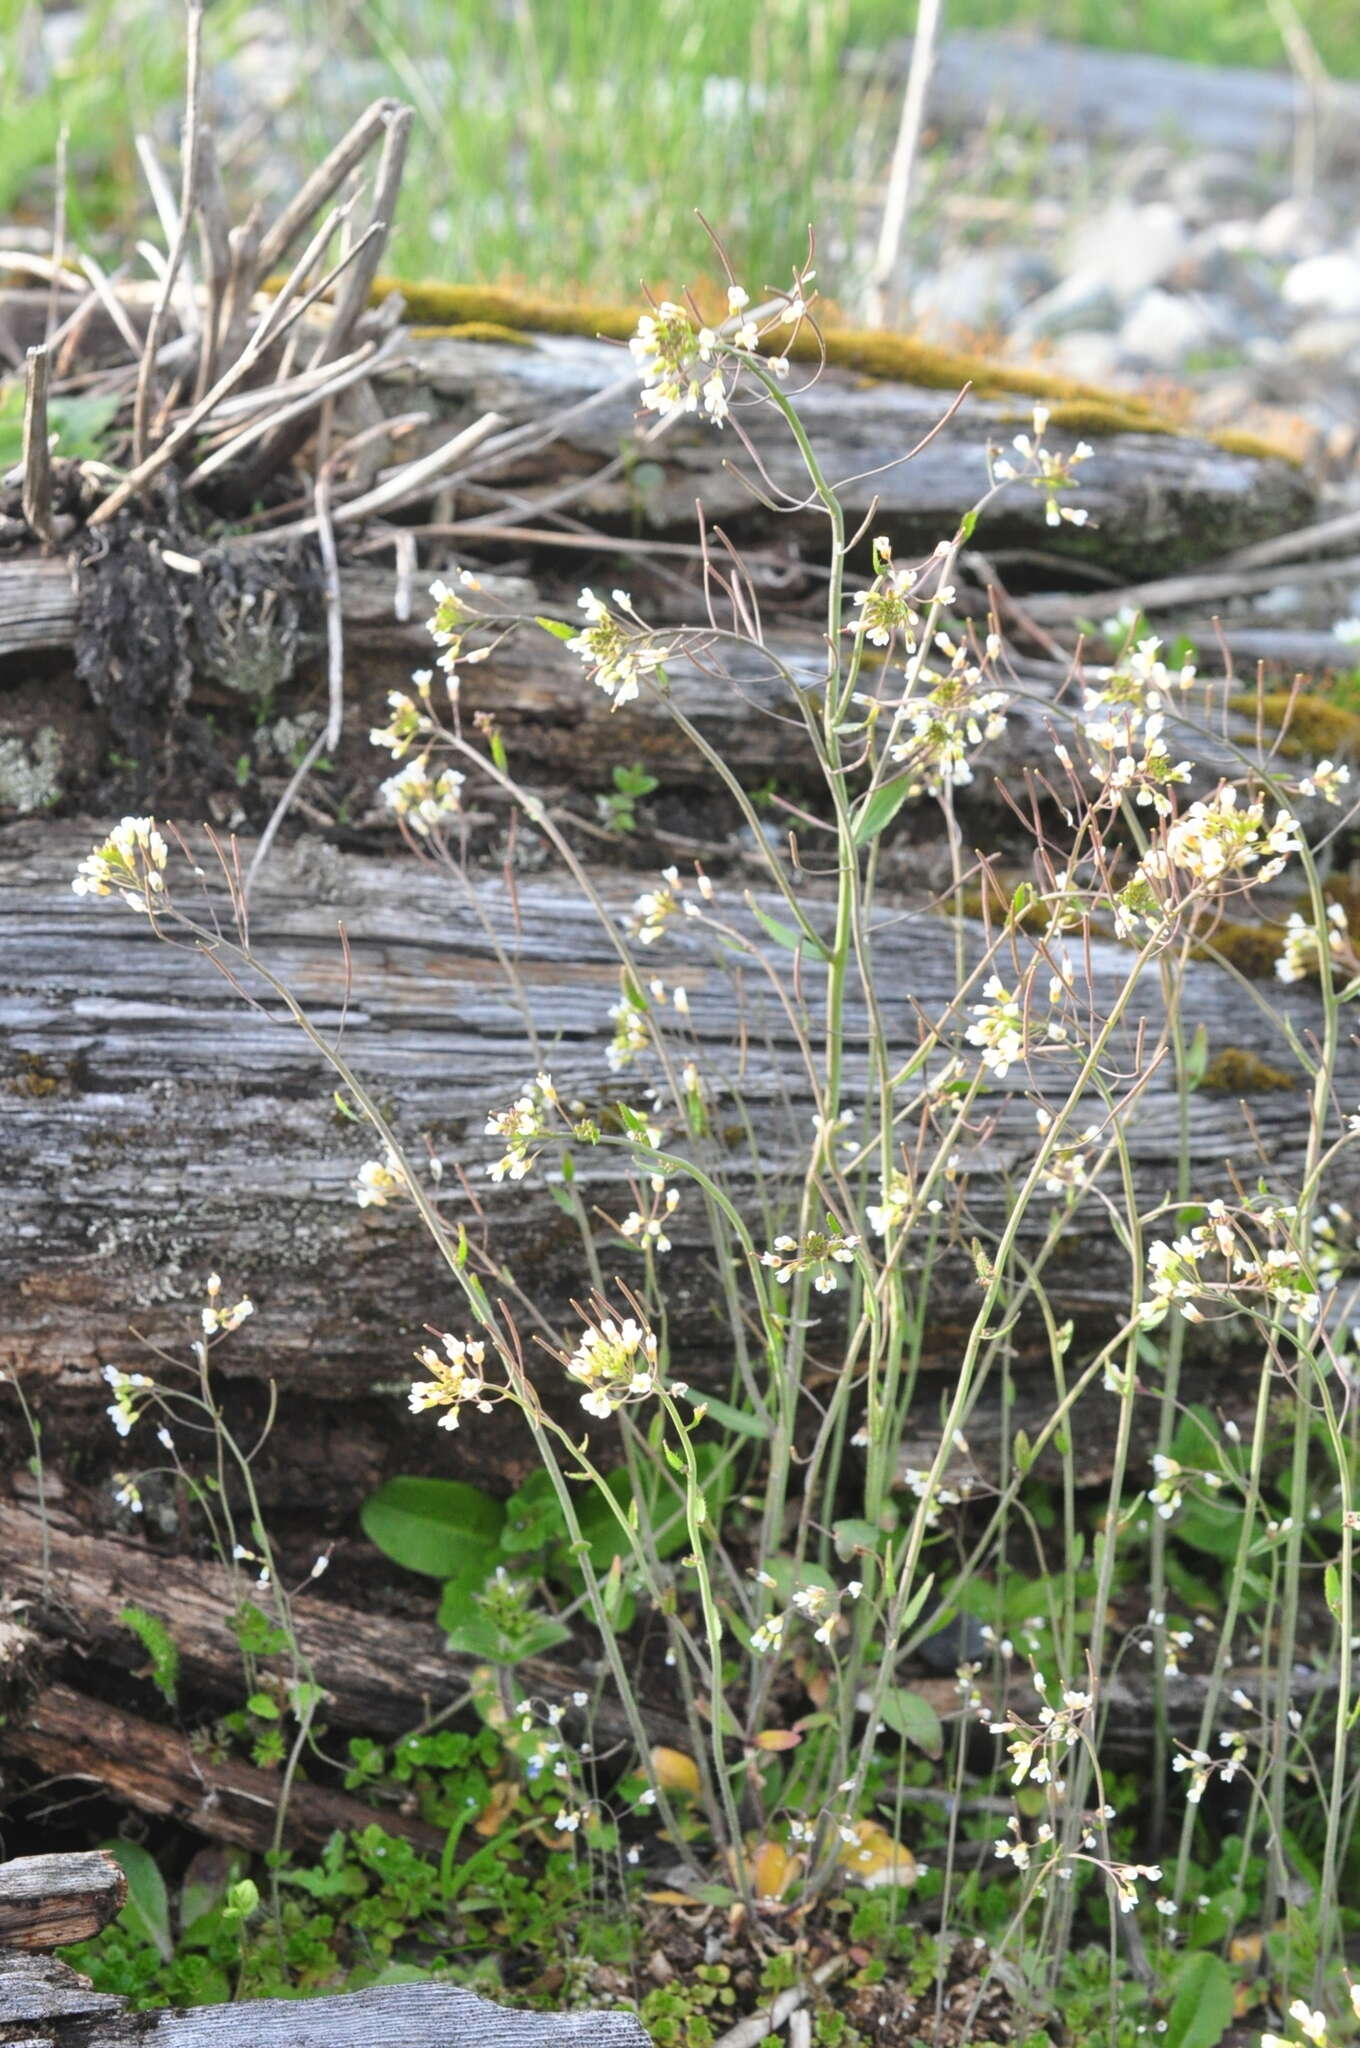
[(47, 1901)]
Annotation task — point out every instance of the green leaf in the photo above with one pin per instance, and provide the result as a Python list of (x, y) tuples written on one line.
[(788, 935), (432, 1525), (147, 1909), (156, 1639), (879, 809), (1197, 1057), (739, 1420), (967, 523), (855, 1538), (914, 1719), (1202, 2007), (1331, 1580), (79, 424), (263, 1706), (557, 628), (533, 1517)]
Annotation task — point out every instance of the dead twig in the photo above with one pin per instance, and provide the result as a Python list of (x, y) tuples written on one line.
[(37, 484), (145, 395)]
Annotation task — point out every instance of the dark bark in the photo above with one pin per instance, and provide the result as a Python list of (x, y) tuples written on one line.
[(156, 1770)]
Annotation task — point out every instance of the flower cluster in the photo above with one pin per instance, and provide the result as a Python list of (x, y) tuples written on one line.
[(1002, 1030), (1213, 843), (1172, 1478), (217, 1320), (1049, 473), (649, 1231), (520, 1127), (1327, 780), (406, 722), (1215, 840), (129, 1390), (617, 648), (817, 1604), (656, 908), (422, 798), (1301, 953), (1218, 1261), (455, 1380), (886, 608), (616, 1362), (1310, 2023), (130, 863), (1034, 1752), (817, 1252), (686, 367), (950, 713), (1200, 1766), (677, 361), (895, 1208)]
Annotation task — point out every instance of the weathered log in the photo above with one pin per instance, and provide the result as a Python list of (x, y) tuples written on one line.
[(1162, 497), (161, 1129), (552, 719), (40, 1992), (381, 1675), (62, 2009), (155, 1770), (1126, 95), (48, 1901)]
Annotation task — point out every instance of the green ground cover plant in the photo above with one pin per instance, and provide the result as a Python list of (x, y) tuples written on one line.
[(759, 1527)]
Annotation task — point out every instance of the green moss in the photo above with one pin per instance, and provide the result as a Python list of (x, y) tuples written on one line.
[(1310, 726), (479, 330), (1252, 949), (1235, 1072), (897, 358)]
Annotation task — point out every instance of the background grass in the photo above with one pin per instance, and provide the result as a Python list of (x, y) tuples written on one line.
[(566, 143)]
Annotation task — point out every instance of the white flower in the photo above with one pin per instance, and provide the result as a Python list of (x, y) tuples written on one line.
[(422, 799), (129, 863), (455, 1380), (616, 1361)]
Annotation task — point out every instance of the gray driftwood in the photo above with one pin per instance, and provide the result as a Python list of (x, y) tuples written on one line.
[(48, 1901), (1166, 497), (1122, 96), (64, 2013), (162, 1129), (553, 720)]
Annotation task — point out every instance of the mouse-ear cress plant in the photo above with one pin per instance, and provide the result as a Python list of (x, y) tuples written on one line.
[(950, 1147)]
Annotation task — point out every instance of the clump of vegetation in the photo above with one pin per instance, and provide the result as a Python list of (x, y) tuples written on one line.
[(753, 1530)]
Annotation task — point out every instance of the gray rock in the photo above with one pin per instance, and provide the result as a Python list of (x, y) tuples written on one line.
[(1212, 187), (1088, 355), (1328, 340), (1295, 228), (984, 289), (1129, 248), (1163, 328), (1084, 300), (1324, 284)]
